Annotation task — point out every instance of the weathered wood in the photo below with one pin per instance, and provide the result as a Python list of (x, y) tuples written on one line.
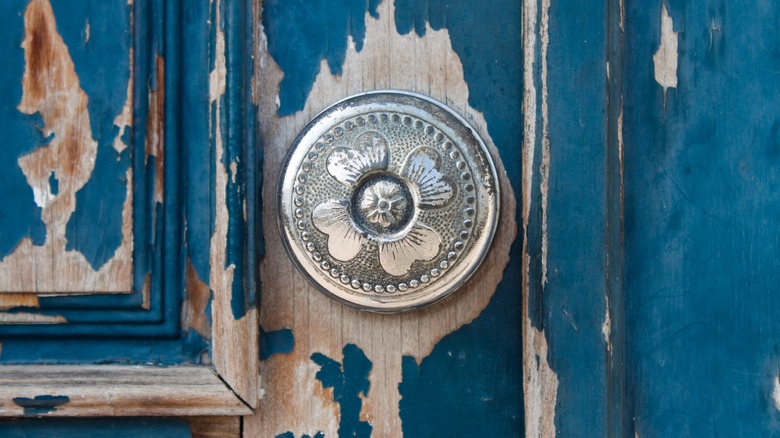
[(293, 399), (114, 390), (214, 427), (68, 159), (540, 383), (234, 337)]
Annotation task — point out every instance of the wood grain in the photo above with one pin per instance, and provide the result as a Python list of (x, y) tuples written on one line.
[(214, 427), (234, 341), (293, 400), (70, 156), (115, 390)]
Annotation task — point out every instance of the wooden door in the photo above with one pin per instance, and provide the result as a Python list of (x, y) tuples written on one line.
[(629, 290), (126, 269), (454, 368), (146, 140)]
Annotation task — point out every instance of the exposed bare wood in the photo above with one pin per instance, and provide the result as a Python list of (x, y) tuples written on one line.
[(214, 427), (293, 400), (115, 390), (196, 298), (9, 301), (30, 318), (234, 341), (154, 145), (51, 87), (540, 383), (665, 58)]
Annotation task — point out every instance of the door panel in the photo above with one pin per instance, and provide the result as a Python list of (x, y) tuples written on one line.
[(129, 248), (701, 217), (453, 368)]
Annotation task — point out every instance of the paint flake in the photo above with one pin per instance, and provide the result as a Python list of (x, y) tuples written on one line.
[(665, 58)]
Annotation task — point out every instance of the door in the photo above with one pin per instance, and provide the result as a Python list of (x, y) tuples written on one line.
[(628, 290)]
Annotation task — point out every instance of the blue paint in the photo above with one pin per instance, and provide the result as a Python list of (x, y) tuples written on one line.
[(276, 342), (21, 135), (348, 381), (125, 348), (40, 404), (471, 384), (195, 134), (572, 304), (302, 33), (103, 66), (116, 427), (95, 228), (233, 157), (292, 435), (54, 184), (701, 221)]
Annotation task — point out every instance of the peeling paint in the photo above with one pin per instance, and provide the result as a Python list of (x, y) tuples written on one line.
[(196, 300), (30, 318), (606, 327), (276, 342), (348, 381), (232, 316), (392, 57), (544, 167), (292, 435), (155, 130), (540, 383), (287, 21), (665, 58), (59, 172), (776, 393), (9, 301), (41, 404), (104, 68)]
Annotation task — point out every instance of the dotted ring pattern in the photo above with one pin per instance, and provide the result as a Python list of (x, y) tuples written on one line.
[(314, 154)]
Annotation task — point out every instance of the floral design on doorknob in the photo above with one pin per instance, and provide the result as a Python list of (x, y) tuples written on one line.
[(385, 203)]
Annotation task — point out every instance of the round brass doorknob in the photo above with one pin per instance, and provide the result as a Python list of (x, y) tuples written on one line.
[(388, 201)]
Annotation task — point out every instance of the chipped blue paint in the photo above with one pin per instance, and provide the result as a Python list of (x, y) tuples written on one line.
[(125, 348), (702, 220), (348, 381), (21, 135), (195, 134), (471, 384), (54, 184), (115, 328), (40, 404), (276, 342), (102, 65), (292, 435), (95, 227), (236, 128), (303, 33), (117, 427), (440, 394), (571, 306)]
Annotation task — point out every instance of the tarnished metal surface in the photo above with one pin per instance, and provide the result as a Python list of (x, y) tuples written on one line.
[(388, 201)]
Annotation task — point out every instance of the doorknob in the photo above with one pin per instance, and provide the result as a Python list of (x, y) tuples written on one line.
[(387, 201)]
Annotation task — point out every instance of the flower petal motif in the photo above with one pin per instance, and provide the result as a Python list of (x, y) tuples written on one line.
[(369, 152), (383, 204), (344, 240), (420, 243), (422, 167)]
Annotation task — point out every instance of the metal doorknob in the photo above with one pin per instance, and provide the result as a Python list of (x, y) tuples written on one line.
[(388, 201)]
